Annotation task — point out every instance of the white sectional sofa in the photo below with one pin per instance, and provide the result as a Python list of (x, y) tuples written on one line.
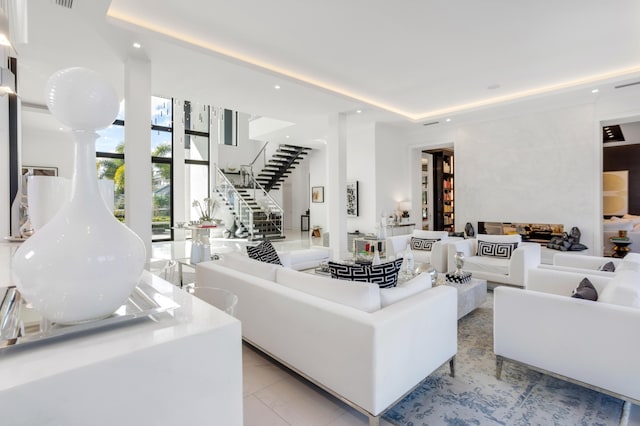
[(510, 271), (592, 343), (437, 256), (365, 345)]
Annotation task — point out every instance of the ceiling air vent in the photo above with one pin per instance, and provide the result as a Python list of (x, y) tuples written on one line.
[(431, 123), (64, 3)]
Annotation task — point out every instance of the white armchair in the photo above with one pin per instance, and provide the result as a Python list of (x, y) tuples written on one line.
[(437, 257), (512, 271), (590, 343)]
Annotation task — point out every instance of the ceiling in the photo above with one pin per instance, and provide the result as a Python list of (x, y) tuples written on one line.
[(404, 62)]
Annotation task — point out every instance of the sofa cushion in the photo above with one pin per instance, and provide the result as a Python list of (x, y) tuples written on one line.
[(391, 295), (359, 295), (242, 263), (424, 244), (384, 274), (264, 252), (503, 250), (623, 289), (585, 290), (495, 265)]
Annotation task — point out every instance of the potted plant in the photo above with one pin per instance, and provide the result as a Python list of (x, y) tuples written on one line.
[(205, 210)]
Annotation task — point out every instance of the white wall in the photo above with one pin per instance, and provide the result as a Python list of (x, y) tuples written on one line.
[(317, 177), (48, 149), (361, 166), (542, 167)]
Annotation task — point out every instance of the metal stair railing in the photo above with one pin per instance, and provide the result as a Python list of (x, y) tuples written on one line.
[(228, 191), (268, 204)]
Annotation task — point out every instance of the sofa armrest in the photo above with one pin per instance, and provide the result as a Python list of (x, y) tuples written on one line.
[(525, 257), (582, 340), (582, 261)]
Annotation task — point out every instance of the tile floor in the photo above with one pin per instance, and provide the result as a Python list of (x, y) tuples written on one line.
[(275, 396)]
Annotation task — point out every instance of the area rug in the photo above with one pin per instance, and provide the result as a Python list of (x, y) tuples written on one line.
[(476, 397)]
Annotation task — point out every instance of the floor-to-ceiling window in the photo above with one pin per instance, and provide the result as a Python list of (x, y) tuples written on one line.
[(110, 159), (196, 155), (161, 167)]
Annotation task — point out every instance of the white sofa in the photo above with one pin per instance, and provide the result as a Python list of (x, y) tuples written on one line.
[(368, 359), (437, 257), (511, 271), (590, 343)]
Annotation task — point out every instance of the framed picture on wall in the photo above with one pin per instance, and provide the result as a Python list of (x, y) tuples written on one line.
[(317, 194), (352, 198)]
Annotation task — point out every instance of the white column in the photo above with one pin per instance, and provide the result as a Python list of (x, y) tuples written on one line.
[(336, 194), (181, 194), (137, 152)]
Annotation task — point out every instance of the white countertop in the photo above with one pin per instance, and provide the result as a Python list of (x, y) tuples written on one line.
[(145, 369)]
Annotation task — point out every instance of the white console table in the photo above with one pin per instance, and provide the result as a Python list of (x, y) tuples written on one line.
[(185, 369), (400, 229)]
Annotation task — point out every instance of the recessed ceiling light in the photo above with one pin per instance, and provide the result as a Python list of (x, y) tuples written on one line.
[(137, 45), (447, 120), (358, 111), (595, 91), (287, 136), (277, 87), (60, 128)]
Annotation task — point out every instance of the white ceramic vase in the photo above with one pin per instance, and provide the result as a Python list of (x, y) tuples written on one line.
[(84, 264)]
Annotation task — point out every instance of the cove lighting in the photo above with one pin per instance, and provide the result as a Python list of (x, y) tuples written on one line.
[(194, 40)]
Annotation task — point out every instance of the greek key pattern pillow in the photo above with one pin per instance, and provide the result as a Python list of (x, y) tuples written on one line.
[(503, 250), (385, 274), (423, 244), (264, 252)]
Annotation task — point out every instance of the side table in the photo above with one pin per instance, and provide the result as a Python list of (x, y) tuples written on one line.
[(471, 294), (620, 246)]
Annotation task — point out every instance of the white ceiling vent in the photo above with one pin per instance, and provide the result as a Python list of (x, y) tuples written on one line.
[(64, 3)]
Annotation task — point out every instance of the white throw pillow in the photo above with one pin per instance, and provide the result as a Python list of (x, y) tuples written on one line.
[(513, 238), (359, 295), (243, 263), (389, 296), (623, 289), (631, 262)]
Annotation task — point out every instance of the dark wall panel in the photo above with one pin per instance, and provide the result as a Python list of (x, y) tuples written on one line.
[(626, 158)]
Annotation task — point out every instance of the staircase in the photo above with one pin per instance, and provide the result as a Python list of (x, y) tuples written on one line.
[(257, 215), (279, 166)]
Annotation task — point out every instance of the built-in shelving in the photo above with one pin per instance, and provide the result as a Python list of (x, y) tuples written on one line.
[(443, 191)]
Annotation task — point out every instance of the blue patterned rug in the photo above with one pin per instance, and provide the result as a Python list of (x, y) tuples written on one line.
[(476, 397)]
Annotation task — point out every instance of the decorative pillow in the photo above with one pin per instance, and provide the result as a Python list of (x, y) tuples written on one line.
[(585, 290), (384, 274), (423, 244), (608, 267), (264, 252), (503, 250), (623, 289)]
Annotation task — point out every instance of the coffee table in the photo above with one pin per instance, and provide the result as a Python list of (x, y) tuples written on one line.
[(471, 294)]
